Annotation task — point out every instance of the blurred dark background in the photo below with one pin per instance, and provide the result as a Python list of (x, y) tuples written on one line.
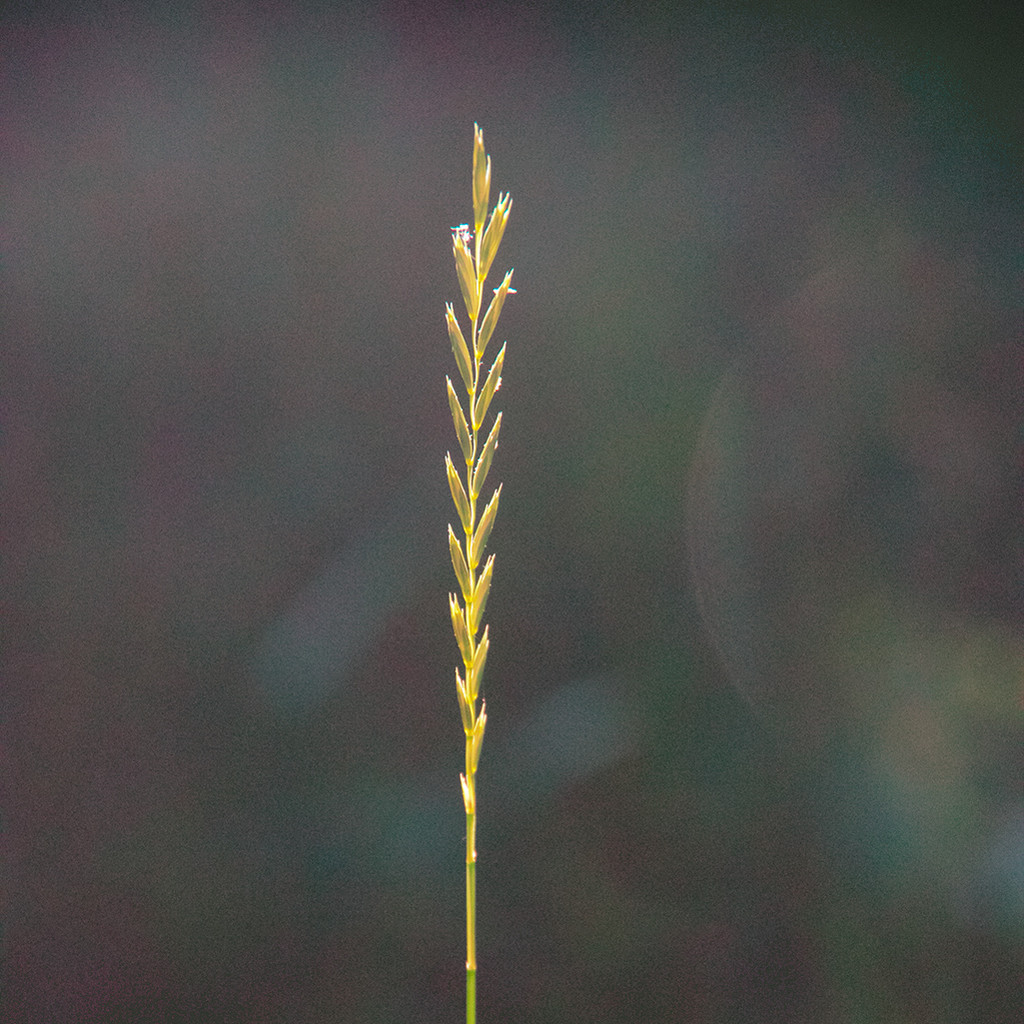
[(755, 690)]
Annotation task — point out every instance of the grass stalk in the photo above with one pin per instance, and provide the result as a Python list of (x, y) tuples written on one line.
[(474, 249)]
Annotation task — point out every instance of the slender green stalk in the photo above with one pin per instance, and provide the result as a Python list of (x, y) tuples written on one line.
[(471, 268)]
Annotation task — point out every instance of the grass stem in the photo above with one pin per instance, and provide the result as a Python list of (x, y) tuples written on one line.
[(471, 269)]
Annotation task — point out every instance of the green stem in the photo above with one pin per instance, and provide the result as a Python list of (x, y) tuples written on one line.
[(471, 918), (470, 774)]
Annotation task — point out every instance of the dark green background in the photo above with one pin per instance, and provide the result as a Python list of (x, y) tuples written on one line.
[(754, 750)]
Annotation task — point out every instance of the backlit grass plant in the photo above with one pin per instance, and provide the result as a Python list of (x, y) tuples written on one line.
[(474, 249)]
